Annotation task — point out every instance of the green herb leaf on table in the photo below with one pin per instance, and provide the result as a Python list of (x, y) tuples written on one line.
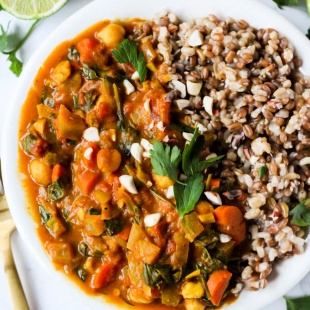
[(308, 34), (301, 213), (186, 196), (127, 52), (165, 161), (262, 171), (3, 38), (16, 65), (281, 3), (300, 303)]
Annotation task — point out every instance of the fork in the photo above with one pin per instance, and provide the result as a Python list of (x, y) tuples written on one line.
[(7, 226)]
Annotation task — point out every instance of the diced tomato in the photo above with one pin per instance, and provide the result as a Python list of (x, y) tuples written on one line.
[(85, 48), (87, 180), (103, 276), (215, 183), (91, 163)]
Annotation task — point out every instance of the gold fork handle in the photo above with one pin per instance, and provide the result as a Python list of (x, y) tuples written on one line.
[(18, 297)]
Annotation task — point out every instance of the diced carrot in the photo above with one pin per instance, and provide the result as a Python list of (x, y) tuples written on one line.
[(124, 234), (217, 284), (103, 109), (230, 221), (91, 163), (58, 171), (87, 180), (85, 48), (103, 276), (215, 183)]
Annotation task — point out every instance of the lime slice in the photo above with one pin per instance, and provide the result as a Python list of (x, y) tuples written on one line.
[(32, 9)]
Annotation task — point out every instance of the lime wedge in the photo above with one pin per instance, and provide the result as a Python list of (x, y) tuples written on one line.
[(32, 9)]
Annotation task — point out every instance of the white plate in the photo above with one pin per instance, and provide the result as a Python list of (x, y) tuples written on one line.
[(286, 274)]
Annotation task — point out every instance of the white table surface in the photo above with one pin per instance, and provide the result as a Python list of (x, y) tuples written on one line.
[(41, 292)]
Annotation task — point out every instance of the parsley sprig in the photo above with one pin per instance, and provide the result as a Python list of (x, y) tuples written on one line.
[(166, 161), (299, 303), (127, 52), (16, 65)]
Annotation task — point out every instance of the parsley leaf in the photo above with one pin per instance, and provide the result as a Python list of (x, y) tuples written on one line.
[(127, 52), (300, 303), (191, 156), (262, 171), (308, 34), (280, 3), (16, 65), (186, 196), (3, 38), (165, 161), (301, 213)]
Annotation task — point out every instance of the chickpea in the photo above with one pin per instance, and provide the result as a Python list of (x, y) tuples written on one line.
[(62, 71), (108, 160), (41, 172), (161, 181), (111, 35)]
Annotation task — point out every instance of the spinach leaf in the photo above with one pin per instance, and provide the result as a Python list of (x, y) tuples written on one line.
[(89, 73), (81, 273), (28, 142), (73, 54), (113, 226), (44, 215), (154, 275), (56, 190)]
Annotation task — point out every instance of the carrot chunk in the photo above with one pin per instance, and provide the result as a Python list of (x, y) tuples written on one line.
[(103, 276), (215, 183), (85, 48), (217, 284), (58, 171), (230, 221), (87, 181)]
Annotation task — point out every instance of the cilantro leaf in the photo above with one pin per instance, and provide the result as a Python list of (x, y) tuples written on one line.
[(280, 3), (3, 38), (16, 65), (301, 213), (186, 196), (164, 160), (209, 162), (262, 171), (300, 303), (127, 52)]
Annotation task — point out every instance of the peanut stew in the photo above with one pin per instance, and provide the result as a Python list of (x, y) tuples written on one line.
[(147, 171)]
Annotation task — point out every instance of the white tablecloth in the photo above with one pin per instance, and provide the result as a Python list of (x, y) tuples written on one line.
[(42, 293)]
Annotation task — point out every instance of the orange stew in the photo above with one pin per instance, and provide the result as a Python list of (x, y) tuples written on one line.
[(106, 218)]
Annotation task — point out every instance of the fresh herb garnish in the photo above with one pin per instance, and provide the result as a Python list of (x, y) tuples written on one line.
[(127, 52), (263, 170), (16, 65), (165, 162), (301, 213), (299, 303)]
